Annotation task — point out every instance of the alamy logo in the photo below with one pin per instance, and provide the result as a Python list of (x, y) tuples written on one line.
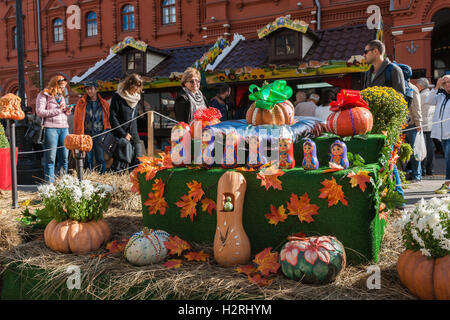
[(74, 17), (374, 21), (74, 280), (374, 280)]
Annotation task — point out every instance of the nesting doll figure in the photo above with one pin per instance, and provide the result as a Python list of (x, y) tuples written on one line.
[(207, 147), (180, 138), (310, 161), (339, 154), (231, 151), (255, 157), (286, 153)]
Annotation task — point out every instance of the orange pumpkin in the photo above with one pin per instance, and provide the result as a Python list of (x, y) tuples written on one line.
[(350, 122), (77, 237), (80, 142), (281, 113), (425, 278), (10, 107)]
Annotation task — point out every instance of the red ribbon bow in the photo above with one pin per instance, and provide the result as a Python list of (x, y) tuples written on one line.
[(207, 114), (347, 99)]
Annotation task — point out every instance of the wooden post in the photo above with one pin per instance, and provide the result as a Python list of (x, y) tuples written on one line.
[(150, 137)]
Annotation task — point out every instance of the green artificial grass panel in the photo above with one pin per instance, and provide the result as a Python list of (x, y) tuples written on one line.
[(352, 225)]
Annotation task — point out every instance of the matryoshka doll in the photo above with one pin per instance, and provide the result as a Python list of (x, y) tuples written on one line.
[(180, 138), (339, 154), (208, 146), (310, 161), (255, 157), (286, 153), (231, 150)]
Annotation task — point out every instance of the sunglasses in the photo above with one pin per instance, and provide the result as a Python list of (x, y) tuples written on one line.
[(366, 51), (194, 81), (62, 80)]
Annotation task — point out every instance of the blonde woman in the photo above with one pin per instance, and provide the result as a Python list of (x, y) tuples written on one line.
[(123, 108), (191, 98), (52, 108)]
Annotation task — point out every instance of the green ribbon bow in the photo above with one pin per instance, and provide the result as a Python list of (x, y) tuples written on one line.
[(269, 95)]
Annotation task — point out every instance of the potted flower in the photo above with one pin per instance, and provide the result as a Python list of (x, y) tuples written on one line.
[(77, 209), (424, 268)]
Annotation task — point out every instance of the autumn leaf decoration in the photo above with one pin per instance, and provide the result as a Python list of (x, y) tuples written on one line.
[(173, 263), (276, 215), (135, 181), (196, 256), (156, 201), (176, 245), (332, 192), (266, 264), (302, 208), (188, 202), (151, 165), (269, 177), (359, 179), (115, 246)]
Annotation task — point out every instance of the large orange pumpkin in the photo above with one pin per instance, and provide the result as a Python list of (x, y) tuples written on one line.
[(80, 142), (350, 122), (281, 113), (425, 278), (10, 107), (77, 237)]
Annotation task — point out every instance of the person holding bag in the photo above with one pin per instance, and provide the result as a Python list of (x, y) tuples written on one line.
[(123, 108), (52, 109)]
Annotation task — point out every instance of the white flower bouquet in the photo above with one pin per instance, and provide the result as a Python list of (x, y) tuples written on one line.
[(427, 227), (71, 199)]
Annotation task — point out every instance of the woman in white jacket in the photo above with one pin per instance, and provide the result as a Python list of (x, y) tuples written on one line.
[(440, 97)]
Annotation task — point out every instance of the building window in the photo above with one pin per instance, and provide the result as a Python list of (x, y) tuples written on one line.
[(128, 18), (91, 24), (285, 45), (134, 61), (14, 33), (168, 12), (58, 30)]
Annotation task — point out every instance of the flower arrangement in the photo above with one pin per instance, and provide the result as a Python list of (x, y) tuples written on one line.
[(389, 110), (427, 227), (70, 198), (3, 140)]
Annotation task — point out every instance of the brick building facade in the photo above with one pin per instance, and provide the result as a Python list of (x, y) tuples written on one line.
[(414, 30)]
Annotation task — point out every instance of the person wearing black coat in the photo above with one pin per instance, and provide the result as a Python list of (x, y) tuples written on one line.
[(123, 108), (191, 98)]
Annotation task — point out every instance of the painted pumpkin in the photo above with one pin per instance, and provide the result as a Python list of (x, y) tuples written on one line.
[(426, 278), (350, 122), (313, 260), (80, 142), (282, 113), (146, 247), (10, 107), (76, 237)]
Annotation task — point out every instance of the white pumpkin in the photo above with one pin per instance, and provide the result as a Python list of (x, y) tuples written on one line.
[(146, 247)]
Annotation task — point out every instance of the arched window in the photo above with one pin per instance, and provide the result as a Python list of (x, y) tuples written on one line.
[(128, 18), (58, 30), (14, 42), (91, 24), (168, 12)]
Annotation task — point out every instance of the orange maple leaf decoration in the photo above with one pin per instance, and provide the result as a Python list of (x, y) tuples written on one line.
[(196, 256), (259, 280), (151, 165), (244, 169), (156, 201), (269, 177), (195, 190), (302, 208), (247, 269), (267, 262), (173, 263), (113, 247), (332, 192), (135, 182), (188, 207), (176, 245), (208, 205), (360, 178), (384, 214), (276, 215)]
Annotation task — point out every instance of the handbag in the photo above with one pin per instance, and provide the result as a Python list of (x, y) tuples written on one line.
[(125, 150), (108, 143)]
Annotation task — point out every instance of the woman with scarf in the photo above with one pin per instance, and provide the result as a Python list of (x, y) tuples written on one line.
[(123, 108), (191, 98)]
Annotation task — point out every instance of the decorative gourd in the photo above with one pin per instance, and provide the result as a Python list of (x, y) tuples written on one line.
[(313, 260), (10, 107), (424, 277), (282, 113), (76, 237), (351, 115), (310, 161), (271, 104), (231, 243), (81, 142), (180, 151), (146, 247)]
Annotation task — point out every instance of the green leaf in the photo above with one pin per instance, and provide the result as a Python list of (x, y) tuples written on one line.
[(346, 139), (361, 136)]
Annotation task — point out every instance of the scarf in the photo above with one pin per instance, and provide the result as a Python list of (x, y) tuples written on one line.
[(131, 99), (196, 99)]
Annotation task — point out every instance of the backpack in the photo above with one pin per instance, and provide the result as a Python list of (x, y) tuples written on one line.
[(407, 73)]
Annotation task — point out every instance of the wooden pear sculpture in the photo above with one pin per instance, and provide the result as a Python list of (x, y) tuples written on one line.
[(231, 243)]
